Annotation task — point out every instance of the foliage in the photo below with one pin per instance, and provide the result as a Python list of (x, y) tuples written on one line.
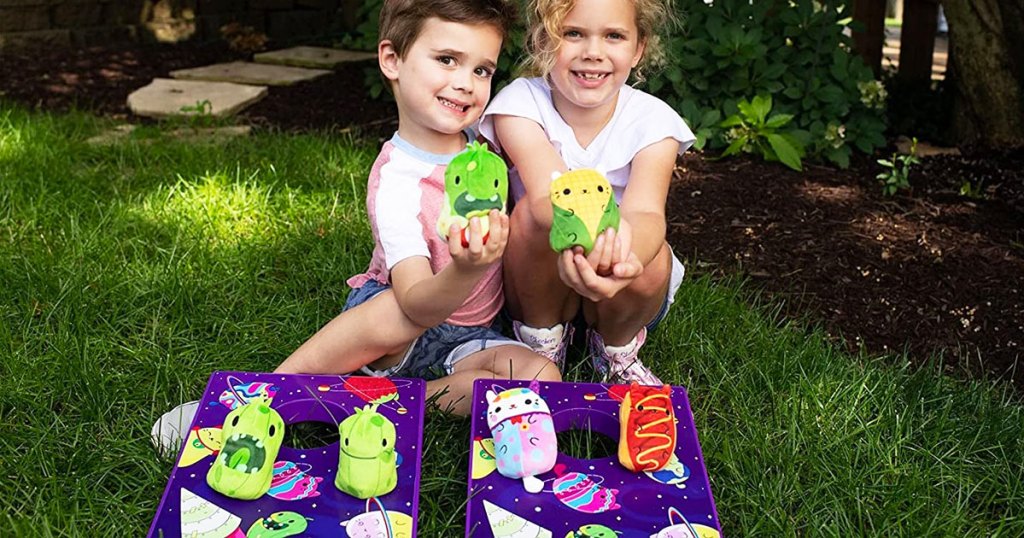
[(242, 38), (751, 130), (731, 50), (896, 175), (795, 51)]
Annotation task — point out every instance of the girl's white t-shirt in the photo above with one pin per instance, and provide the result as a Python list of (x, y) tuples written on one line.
[(640, 119)]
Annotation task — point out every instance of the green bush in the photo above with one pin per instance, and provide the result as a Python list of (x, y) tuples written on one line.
[(734, 50)]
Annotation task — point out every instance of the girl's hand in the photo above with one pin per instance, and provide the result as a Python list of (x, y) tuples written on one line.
[(611, 249), (577, 272), (479, 255)]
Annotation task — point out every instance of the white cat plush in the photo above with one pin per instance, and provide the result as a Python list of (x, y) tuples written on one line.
[(524, 434)]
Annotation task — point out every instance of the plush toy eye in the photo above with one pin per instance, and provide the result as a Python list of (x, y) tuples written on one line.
[(272, 430), (567, 192), (383, 442), (600, 188), (234, 421), (495, 183), (346, 441), (640, 407), (457, 179)]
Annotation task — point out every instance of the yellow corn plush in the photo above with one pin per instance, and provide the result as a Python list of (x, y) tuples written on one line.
[(583, 206)]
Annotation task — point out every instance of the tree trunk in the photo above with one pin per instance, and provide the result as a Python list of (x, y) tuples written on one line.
[(986, 39)]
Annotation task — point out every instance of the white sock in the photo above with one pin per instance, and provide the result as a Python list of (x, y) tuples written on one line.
[(623, 349), (543, 338)]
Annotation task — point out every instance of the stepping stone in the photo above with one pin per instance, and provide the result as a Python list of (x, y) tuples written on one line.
[(319, 57), (165, 97), (250, 73)]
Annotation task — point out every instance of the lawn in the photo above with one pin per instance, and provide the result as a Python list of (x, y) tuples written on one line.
[(130, 272)]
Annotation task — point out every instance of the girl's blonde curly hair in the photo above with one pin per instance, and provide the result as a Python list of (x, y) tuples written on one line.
[(544, 20)]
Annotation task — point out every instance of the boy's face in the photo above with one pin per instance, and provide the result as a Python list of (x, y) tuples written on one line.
[(443, 83)]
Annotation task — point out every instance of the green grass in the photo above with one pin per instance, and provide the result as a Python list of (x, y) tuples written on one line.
[(129, 273)]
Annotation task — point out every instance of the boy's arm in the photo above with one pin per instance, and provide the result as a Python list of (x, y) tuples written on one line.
[(528, 147), (428, 299)]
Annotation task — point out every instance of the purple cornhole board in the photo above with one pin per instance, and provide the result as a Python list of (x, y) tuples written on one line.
[(673, 503), (295, 488)]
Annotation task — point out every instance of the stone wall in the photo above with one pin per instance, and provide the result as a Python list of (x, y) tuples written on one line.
[(34, 24)]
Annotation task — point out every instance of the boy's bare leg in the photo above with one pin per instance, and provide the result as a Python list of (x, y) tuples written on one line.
[(534, 293), (620, 318), (499, 363), (356, 337)]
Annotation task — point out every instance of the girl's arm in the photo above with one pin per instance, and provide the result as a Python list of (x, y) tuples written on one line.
[(527, 146), (643, 201), (428, 299)]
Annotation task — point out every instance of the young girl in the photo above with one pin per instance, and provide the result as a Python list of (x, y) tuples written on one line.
[(578, 112)]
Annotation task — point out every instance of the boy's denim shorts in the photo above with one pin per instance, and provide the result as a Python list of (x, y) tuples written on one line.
[(436, 352)]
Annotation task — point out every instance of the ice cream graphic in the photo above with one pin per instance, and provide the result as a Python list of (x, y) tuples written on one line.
[(505, 524), (201, 518)]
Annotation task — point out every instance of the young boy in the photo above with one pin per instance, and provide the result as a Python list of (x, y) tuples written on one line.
[(425, 306)]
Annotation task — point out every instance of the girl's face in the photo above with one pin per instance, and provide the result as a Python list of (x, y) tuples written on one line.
[(600, 46)]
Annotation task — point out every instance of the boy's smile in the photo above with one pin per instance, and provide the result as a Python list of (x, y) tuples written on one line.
[(443, 83)]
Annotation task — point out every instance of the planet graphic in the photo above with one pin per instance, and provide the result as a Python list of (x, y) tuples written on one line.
[(240, 393), (201, 518), (292, 481), (380, 523), (505, 524), (673, 474), (684, 529)]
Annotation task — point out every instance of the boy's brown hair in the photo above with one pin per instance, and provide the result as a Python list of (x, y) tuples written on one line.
[(402, 20)]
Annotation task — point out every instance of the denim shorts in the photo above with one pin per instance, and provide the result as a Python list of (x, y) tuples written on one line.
[(436, 352)]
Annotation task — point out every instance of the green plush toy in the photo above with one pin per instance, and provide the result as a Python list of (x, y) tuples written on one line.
[(367, 461), (252, 436), (475, 182), (583, 206)]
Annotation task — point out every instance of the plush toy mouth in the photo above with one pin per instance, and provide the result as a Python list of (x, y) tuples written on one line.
[(243, 453), (466, 203)]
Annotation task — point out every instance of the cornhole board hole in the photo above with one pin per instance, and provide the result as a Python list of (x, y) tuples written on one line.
[(302, 499), (589, 497)]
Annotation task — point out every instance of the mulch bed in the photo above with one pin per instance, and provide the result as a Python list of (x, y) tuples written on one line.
[(929, 272)]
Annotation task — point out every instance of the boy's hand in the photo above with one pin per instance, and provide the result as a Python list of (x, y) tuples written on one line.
[(478, 255)]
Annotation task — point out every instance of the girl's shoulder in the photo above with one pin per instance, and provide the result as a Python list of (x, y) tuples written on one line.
[(641, 106)]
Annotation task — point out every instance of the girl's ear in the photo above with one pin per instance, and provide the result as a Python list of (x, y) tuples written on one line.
[(640, 47), (388, 59)]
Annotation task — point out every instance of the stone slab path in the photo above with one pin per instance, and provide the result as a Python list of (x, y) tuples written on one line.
[(168, 97), (233, 86), (250, 73), (315, 57)]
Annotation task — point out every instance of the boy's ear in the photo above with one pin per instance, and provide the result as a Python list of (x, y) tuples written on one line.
[(388, 59)]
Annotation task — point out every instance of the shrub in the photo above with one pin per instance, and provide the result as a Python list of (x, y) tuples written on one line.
[(796, 51)]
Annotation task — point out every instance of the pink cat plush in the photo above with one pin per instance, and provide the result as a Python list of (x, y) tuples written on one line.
[(524, 434)]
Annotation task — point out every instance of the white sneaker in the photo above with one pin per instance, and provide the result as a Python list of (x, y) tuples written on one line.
[(551, 342), (621, 364), (171, 429)]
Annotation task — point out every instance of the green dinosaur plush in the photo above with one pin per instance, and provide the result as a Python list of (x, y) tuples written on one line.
[(475, 182), (367, 461), (252, 436), (583, 205)]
